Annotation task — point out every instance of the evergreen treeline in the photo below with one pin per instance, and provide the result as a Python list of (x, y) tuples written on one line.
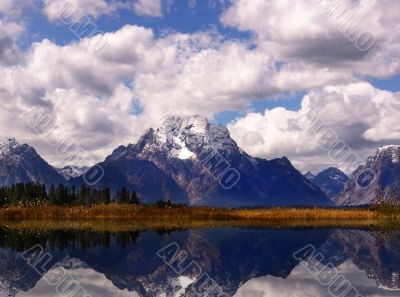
[(23, 240), (62, 195)]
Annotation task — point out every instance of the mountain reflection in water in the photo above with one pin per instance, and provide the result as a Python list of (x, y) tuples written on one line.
[(242, 262)]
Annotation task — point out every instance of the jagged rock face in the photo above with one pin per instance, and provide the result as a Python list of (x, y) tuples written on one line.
[(20, 163), (380, 173), (379, 256), (73, 171), (178, 148), (198, 162), (331, 181)]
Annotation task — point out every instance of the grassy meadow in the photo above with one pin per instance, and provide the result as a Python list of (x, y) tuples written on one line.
[(17, 203), (139, 217), (130, 211)]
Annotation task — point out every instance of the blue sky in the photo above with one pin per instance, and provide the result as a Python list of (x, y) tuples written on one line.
[(390, 84), (179, 17)]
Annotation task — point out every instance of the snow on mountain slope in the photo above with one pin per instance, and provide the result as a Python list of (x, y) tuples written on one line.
[(69, 172), (331, 181), (182, 137), (389, 152), (20, 163), (380, 173), (191, 155)]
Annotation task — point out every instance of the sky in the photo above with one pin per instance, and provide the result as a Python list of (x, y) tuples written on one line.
[(104, 71), (300, 283)]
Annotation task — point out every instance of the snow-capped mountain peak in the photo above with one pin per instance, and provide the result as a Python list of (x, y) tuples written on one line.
[(194, 157), (175, 131), (184, 125), (12, 151), (10, 142), (381, 173), (20, 163), (389, 147), (73, 171), (391, 152), (7, 146), (181, 137)]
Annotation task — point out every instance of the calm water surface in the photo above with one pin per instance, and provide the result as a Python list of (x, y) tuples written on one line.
[(200, 262)]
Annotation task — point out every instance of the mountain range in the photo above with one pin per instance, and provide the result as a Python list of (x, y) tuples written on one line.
[(194, 161), (331, 181), (380, 173), (72, 171), (20, 163), (197, 162)]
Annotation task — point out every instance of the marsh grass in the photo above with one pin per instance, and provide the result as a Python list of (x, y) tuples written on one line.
[(181, 224), (127, 212), (119, 217)]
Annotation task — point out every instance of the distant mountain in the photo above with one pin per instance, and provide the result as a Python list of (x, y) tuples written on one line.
[(331, 181), (193, 160), (380, 173), (310, 176), (69, 172), (20, 163)]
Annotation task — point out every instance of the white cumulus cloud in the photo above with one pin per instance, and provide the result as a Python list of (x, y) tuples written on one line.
[(317, 32), (152, 8), (357, 114)]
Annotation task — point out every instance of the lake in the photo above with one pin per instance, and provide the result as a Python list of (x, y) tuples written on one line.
[(270, 262)]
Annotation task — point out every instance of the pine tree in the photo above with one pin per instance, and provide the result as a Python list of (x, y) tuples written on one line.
[(85, 194), (94, 196), (123, 195), (73, 196), (19, 191), (106, 196), (3, 197), (134, 199), (60, 195), (63, 195), (11, 192), (52, 195), (43, 193)]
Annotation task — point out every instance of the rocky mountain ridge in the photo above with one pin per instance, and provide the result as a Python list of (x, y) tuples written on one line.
[(195, 161), (381, 173), (20, 163)]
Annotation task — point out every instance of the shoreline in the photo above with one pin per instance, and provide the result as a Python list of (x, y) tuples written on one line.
[(131, 212), (139, 225), (140, 217)]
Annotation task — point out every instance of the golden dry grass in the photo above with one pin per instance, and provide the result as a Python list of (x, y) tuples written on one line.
[(116, 217), (181, 224), (124, 212)]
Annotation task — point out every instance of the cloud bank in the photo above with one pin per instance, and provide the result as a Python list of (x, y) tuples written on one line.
[(104, 98)]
